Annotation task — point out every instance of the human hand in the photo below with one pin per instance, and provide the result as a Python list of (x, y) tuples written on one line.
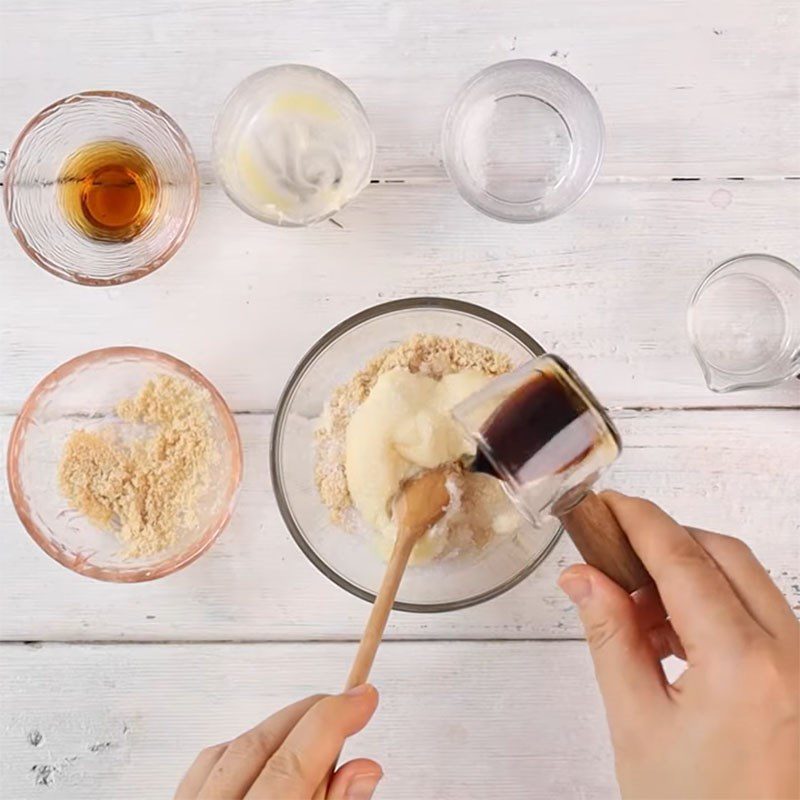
[(729, 727), (287, 756)]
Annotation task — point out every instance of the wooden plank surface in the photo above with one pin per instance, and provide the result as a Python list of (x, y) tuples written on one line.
[(470, 720), (687, 88), (606, 286), (724, 470), (703, 90)]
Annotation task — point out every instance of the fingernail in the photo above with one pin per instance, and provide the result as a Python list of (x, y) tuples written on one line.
[(576, 587), (357, 691), (362, 787)]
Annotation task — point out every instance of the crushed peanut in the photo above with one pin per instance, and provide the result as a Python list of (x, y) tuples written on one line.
[(146, 490)]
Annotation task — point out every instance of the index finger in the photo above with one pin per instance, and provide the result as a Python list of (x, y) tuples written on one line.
[(703, 607), (245, 756), (303, 760)]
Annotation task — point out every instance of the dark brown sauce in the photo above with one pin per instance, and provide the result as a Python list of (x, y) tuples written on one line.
[(542, 413)]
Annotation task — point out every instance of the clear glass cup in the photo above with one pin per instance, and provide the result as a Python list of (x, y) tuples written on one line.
[(523, 141), (292, 145), (543, 433), (744, 323), (350, 558), (33, 184), (83, 393)]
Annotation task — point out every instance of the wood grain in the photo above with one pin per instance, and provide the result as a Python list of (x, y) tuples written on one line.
[(701, 91), (122, 721), (687, 89), (602, 542), (243, 301), (724, 470)]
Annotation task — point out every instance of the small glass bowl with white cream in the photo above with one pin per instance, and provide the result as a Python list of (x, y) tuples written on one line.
[(292, 145)]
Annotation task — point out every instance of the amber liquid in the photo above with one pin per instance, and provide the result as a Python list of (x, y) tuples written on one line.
[(108, 191)]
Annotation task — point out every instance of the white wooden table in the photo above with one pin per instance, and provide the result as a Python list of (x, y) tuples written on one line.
[(108, 691)]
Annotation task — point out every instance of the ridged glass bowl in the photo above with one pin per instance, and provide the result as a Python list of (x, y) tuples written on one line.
[(350, 559), (34, 175), (82, 394)]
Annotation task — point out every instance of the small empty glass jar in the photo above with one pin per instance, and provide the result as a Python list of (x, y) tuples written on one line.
[(744, 323), (523, 141), (292, 145), (101, 188)]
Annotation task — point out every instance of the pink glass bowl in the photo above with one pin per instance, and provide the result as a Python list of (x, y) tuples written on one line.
[(82, 393)]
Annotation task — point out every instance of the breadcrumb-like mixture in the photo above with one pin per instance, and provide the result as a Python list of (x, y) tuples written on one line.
[(424, 353), (145, 490)]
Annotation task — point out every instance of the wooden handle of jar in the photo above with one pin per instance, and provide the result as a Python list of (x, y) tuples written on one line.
[(601, 541)]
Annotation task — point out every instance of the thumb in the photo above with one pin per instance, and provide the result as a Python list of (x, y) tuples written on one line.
[(627, 668), (356, 780)]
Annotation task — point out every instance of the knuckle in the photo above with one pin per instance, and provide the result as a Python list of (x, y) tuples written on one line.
[(648, 505), (212, 752), (732, 545), (771, 680), (689, 554), (721, 543), (761, 665), (325, 711), (600, 632), (253, 744), (286, 765)]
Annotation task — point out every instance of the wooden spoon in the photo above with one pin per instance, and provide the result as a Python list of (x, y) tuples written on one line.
[(421, 503)]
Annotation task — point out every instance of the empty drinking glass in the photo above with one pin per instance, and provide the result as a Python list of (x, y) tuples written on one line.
[(744, 323), (523, 140)]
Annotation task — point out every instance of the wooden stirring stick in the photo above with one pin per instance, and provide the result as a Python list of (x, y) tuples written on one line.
[(421, 503)]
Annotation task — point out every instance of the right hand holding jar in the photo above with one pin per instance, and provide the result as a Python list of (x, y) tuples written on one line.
[(729, 726)]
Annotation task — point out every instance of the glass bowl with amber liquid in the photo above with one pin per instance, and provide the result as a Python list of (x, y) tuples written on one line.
[(101, 188)]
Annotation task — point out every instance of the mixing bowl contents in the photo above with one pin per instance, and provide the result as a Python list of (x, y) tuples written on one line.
[(144, 480), (391, 421)]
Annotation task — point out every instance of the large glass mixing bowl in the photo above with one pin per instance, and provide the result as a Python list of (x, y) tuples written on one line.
[(351, 559)]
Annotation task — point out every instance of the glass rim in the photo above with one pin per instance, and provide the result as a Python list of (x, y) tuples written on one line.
[(449, 148), (137, 574), (306, 362), (573, 383), (130, 275), (239, 90), (600, 412), (709, 371)]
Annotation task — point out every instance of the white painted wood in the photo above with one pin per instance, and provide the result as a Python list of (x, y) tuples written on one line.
[(726, 470), (687, 88), (456, 721), (605, 285)]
